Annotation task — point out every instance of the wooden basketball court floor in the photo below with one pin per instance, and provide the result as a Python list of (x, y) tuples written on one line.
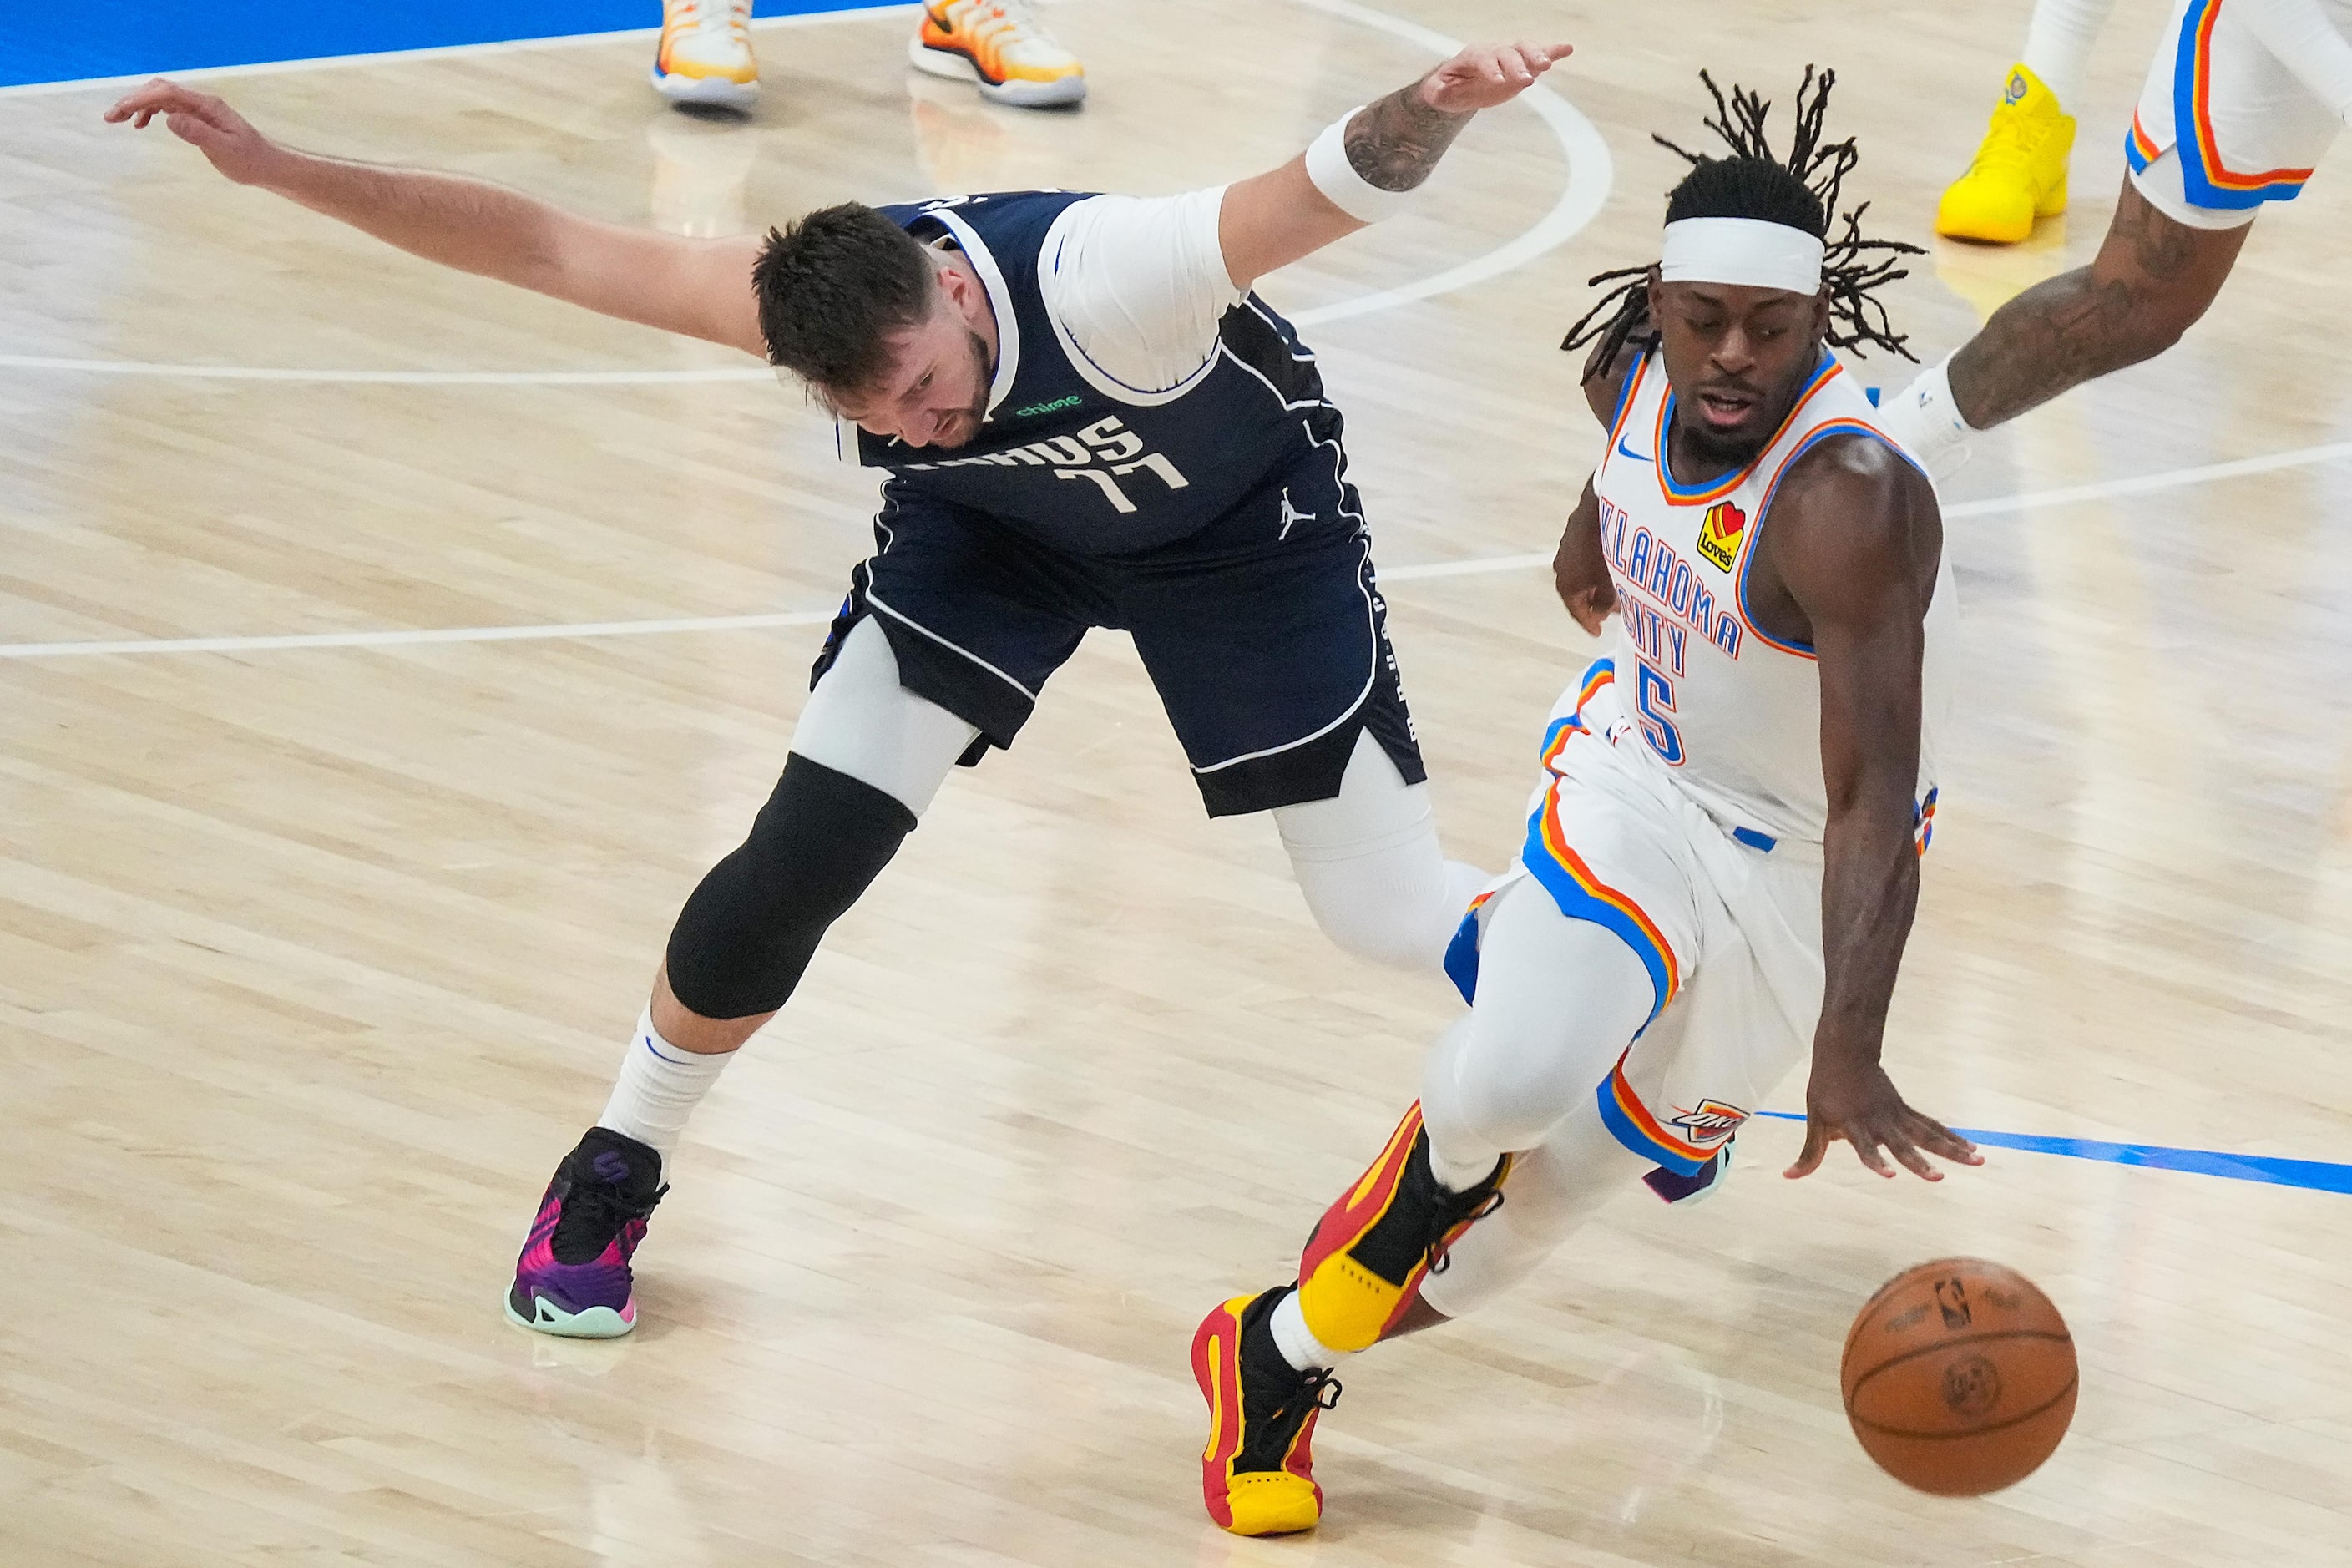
[(318, 945)]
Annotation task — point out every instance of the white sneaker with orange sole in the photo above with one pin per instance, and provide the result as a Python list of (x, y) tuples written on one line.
[(706, 54), (1000, 46)]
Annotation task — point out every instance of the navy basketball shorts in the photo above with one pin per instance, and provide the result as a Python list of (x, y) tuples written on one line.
[(1264, 634)]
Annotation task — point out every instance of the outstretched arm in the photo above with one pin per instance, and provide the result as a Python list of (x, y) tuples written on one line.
[(1856, 547), (1276, 217), (700, 288)]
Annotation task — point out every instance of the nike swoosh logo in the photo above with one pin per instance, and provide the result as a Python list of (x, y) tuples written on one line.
[(1629, 451)]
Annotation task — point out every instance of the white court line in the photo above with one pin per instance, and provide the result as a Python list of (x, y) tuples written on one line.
[(2032, 501), (1591, 176)]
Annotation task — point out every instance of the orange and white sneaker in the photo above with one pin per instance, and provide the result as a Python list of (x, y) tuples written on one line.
[(1257, 1472), (706, 54), (1001, 46), (1364, 1265)]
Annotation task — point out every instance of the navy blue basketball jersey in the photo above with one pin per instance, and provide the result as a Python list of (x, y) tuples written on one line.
[(1076, 460)]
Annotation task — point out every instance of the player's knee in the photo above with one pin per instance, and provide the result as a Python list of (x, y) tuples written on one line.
[(1392, 932), (748, 931), (1510, 1092)]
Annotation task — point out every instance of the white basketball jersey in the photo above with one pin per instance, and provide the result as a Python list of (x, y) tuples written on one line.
[(1732, 714)]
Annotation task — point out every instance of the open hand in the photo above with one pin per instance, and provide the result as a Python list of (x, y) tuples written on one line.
[(203, 121), (1860, 1105), (1485, 75)]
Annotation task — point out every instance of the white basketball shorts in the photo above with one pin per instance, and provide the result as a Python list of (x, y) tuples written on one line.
[(1729, 931), (2222, 125)]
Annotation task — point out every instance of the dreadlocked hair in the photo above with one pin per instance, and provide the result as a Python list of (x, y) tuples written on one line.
[(1800, 191)]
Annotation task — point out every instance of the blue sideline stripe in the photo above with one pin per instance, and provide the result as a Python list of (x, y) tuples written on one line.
[(2318, 1175), (144, 37)]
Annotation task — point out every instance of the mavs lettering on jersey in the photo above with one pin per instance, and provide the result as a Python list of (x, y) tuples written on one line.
[(1070, 456)]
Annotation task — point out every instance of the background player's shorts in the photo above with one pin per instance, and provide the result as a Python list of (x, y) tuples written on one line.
[(2222, 125), (1730, 932), (1264, 634)]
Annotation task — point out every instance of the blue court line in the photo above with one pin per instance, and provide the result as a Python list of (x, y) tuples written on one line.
[(2318, 1175), (142, 37)]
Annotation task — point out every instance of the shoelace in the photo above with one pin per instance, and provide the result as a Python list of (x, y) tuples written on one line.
[(1005, 22), (1441, 1250), (712, 16), (594, 1213), (1320, 1391)]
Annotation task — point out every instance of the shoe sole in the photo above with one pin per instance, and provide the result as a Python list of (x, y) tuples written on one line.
[(954, 67), (714, 91), (593, 1323)]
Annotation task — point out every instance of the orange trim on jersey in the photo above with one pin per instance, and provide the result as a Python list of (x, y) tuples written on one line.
[(1828, 370), (2143, 144), (1846, 426)]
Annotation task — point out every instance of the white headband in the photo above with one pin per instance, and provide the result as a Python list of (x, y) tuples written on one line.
[(1741, 250)]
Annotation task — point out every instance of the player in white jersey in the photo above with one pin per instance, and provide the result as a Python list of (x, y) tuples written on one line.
[(2242, 100), (1721, 860)]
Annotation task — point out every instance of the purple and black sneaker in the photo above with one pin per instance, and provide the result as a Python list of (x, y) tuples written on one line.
[(572, 1278)]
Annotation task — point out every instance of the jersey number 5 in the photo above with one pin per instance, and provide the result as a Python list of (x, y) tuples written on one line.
[(1655, 697)]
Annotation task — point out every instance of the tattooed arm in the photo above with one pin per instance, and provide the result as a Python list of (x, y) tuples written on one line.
[(1278, 216), (2151, 281)]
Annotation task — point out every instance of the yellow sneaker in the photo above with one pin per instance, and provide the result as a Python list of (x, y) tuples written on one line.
[(2020, 173), (1001, 46), (706, 54)]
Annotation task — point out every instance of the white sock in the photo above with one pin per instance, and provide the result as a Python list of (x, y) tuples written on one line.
[(1460, 1176), (2058, 44), (1299, 1344), (659, 1085), (1924, 419)]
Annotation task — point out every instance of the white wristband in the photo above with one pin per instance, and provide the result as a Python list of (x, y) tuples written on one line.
[(1327, 167)]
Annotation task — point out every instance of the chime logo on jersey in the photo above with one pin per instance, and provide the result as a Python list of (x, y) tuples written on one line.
[(1712, 1122), (1719, 535)]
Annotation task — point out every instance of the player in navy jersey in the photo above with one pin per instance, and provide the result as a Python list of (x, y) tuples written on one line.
[(1087, 419)]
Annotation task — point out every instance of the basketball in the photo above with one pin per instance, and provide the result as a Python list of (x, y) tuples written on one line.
[(1958, 1377)]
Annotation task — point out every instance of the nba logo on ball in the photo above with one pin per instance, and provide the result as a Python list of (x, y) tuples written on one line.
[(1720, 533), (1960, 1377)]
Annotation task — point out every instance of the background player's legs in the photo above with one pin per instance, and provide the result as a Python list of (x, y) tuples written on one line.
[(2020, 171), (1369, 863), (2058, 43)]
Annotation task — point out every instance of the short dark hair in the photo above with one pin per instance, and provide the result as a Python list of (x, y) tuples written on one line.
[(1750, 188), (832, 286)]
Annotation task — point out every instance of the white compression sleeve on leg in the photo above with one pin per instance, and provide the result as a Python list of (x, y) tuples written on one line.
[(1559, 1001), (1553, 1190), (860, 721), (2058, 43), (1369, 863), (659, 1085)]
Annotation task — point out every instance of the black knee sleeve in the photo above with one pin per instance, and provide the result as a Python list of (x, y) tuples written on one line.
[(744, 938)]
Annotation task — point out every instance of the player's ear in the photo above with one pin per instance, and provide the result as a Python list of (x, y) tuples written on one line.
[(1657, 300)]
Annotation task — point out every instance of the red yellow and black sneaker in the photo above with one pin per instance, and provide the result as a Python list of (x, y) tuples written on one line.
[(1364, 1263), (1258, 1473)]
